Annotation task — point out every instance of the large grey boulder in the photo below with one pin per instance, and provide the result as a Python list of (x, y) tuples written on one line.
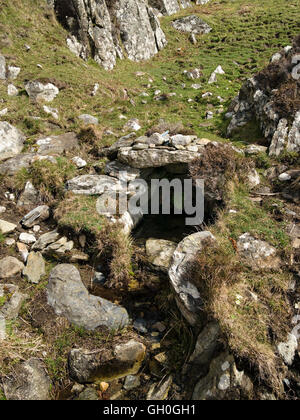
[(29, 381), (187, 295), (11, 141), (105, 30), (68, 297), (94, 366), (191, 24)]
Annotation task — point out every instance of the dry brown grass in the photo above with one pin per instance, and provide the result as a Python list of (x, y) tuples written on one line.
[(251, 308), (220, 166)]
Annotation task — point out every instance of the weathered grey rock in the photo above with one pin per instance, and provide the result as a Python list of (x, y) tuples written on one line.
[(213, 77), (2, 328), (151, 158), (89, 394), (37, 215), (57, 145), (288, 349), (181, 140), (69, 298), (10, 267), (92, 184), (106, 30), (96, 366), (192, 24), (28, 382), (187, 295), (255, 101), (160, 391), (13, 165), (35, 268), (2, 67), (253, 178), (45, 240), (79, 162), (13, 72), (29, 196), (255, 149), (38, 91), (258, 254), (206, 345), (88, 119), (166, 7), (132, 382), (12, 90), (11, 141), (223, 381), (115, 169), (51, 111), (160, 253), (13, 301), (7, 227), (27, 238)]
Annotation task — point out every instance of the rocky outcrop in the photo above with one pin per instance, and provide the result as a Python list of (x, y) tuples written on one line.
[(107, 30), (270, 98)]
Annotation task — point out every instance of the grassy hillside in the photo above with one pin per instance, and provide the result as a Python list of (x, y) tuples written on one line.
[(244, 36)]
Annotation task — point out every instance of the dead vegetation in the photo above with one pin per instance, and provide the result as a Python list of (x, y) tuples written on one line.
[(78, 214), (252, 309)]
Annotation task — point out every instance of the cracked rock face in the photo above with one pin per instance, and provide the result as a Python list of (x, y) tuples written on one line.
[(105, 30), (11, 141)]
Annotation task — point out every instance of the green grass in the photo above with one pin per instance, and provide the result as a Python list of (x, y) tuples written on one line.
[(254, 219), (244, 37)]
